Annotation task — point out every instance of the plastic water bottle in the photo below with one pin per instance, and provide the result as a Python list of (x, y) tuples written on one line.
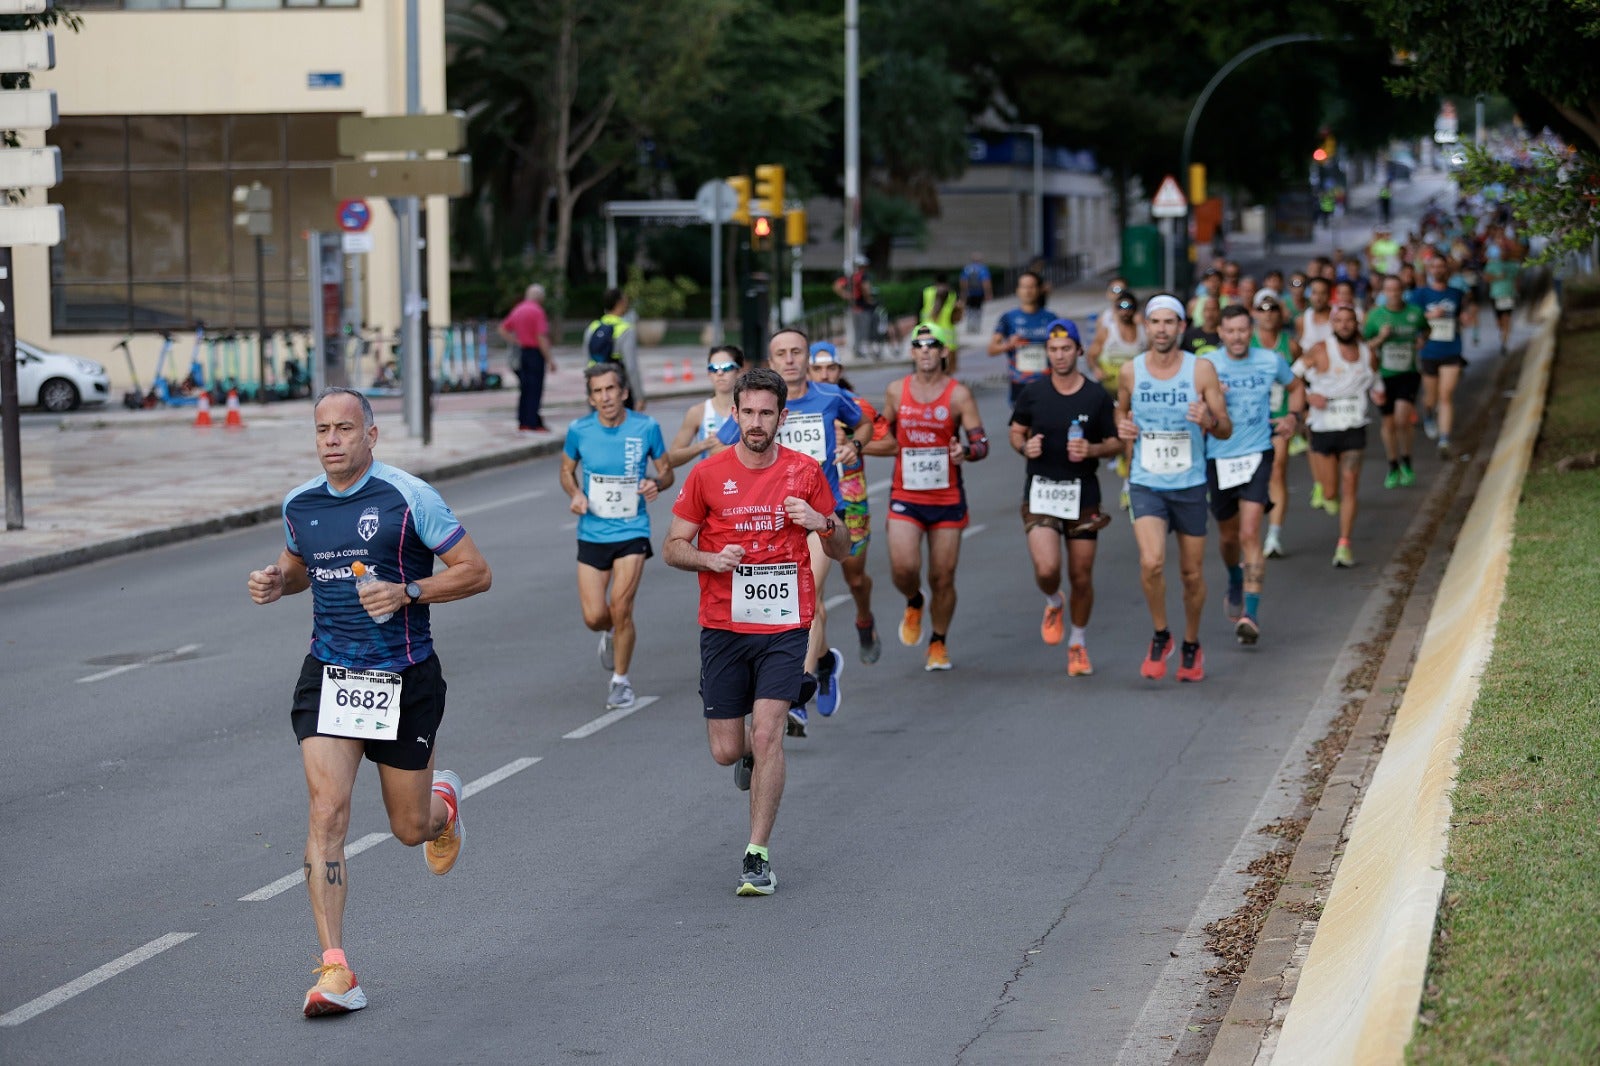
[(1074, 432), (365, 576)]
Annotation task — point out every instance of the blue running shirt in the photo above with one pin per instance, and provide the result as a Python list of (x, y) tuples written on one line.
[(1033, 328), (623, 450), (1444, 331), (394, 523), (1247, 387)]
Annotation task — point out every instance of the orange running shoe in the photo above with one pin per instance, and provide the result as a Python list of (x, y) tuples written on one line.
[(937, 657), (443, 851), (1078, 661), (1052, 629), (911, 626), (1155, 664), (336, 992)]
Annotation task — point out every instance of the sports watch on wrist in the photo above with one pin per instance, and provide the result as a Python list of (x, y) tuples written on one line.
[(413, 592)]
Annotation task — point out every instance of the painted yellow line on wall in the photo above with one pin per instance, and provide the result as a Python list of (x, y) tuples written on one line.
[(1361, 987)]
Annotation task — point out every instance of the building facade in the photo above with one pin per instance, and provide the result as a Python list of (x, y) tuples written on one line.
[(167, 107)]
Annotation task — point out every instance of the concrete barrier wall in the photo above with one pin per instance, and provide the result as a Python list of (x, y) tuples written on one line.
[(1361, 987)]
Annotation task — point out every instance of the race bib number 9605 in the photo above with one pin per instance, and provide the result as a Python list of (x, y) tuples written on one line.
[(766, 595)]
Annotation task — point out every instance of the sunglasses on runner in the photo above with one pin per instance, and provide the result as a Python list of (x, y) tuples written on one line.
[(926, 342), (722, 368)]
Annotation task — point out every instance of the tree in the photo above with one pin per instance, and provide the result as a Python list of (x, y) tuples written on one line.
[(560, 93)]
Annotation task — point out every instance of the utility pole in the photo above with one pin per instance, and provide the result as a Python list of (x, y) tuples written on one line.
[(852, 158)]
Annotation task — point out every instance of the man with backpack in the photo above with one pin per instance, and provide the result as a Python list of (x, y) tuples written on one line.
[(611, 338)]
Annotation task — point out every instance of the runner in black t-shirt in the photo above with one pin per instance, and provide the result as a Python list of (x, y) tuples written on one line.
[(1064, 425)]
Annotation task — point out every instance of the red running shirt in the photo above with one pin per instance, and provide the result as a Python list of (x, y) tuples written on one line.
[(733, 504), (931, 426)]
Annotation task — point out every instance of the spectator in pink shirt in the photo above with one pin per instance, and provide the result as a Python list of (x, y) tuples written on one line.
[(529, 329)]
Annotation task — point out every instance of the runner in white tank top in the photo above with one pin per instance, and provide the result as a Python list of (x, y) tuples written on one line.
[(697, 434), (1338, 374)]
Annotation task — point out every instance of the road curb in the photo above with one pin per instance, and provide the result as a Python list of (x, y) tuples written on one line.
[(248, 516), (1248, 1031)]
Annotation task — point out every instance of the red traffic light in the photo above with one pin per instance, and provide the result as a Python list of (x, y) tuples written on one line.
[(761, 226), (1320, 156)]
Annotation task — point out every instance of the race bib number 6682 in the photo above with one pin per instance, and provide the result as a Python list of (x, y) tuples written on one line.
[(359, 703)]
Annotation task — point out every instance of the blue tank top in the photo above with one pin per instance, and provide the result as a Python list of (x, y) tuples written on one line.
[(1162, 408)]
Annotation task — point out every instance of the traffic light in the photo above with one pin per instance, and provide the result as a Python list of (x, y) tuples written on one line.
[(760, 233), (1197, 183), (1320, 155), (794, 227), (741, 188), (256, 201), (769, 189)]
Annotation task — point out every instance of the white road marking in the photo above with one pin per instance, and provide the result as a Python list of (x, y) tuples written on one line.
[(973, 531), (609, 718), (833, 601), (494, 777), (570, 525), (506, 502), (372, 840), (54, 998), (160, 657)]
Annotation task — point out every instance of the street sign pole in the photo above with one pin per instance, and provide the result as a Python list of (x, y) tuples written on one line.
[(9, 413), (417, 386), (716, 278)]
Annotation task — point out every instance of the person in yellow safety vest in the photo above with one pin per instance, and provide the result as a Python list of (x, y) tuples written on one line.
[(611, 338), (941, 307)]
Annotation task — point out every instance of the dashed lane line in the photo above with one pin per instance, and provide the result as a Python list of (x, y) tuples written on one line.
[(159, 657), (505, 501), (589, 729), (372, 840), (55, 997)]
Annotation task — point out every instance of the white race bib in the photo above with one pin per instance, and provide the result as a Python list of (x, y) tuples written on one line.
[(364, 704), (1396, 356), (1442, 330), (1344, 412), (803, 433), (1505, 303), (1231, 473), (1031, 360), (613, 496), (924, 468), (1166, 452), (1059, 499), (767, 595)]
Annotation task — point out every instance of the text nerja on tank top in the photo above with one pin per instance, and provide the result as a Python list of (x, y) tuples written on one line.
[(1161, 406), (925, 425)]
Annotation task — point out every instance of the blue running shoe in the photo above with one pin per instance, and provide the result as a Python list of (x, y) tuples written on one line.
[(829, 667), (797, 721)]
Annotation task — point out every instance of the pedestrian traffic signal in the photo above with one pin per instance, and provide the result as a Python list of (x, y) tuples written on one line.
[(769, 189), (794, 227), (760, 232), (1320, 155), (741, 189)]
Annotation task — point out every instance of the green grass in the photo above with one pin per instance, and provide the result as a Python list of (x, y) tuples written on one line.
[(1515, 971)]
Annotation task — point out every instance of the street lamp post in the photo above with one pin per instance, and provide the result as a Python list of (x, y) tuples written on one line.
[(852, 159), (1181, 246)]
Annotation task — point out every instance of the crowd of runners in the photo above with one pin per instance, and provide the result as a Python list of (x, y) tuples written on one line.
[(1199, 403)]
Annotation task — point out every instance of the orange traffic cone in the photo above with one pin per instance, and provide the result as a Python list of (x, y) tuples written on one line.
[(669, 374), (234, 419), (688, 371), (202, 414)]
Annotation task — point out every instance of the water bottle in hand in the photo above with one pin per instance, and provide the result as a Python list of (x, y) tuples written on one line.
[(1074, 432), (365, 576)]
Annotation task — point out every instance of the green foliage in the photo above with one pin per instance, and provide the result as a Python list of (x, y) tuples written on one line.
[(1557, 196), (658, 296), (1540, 53)]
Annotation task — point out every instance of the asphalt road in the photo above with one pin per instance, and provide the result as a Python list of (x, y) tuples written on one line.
[(994, 865)]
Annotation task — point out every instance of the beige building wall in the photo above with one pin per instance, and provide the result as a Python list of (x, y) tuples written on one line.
[(242, 62)]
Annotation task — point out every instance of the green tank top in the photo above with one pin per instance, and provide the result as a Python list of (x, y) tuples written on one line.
[(1280, 395)]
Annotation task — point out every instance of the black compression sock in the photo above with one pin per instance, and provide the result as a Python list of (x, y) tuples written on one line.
[(915, 602), (937, 638)]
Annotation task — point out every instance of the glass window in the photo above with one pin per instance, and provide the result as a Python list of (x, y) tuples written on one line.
[(156, 225), (255, 138), (91, 142), (208, 139), (313, 138), (151, 240), (155, 140)]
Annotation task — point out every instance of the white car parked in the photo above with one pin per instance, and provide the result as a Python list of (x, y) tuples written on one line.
[(58, 382)]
